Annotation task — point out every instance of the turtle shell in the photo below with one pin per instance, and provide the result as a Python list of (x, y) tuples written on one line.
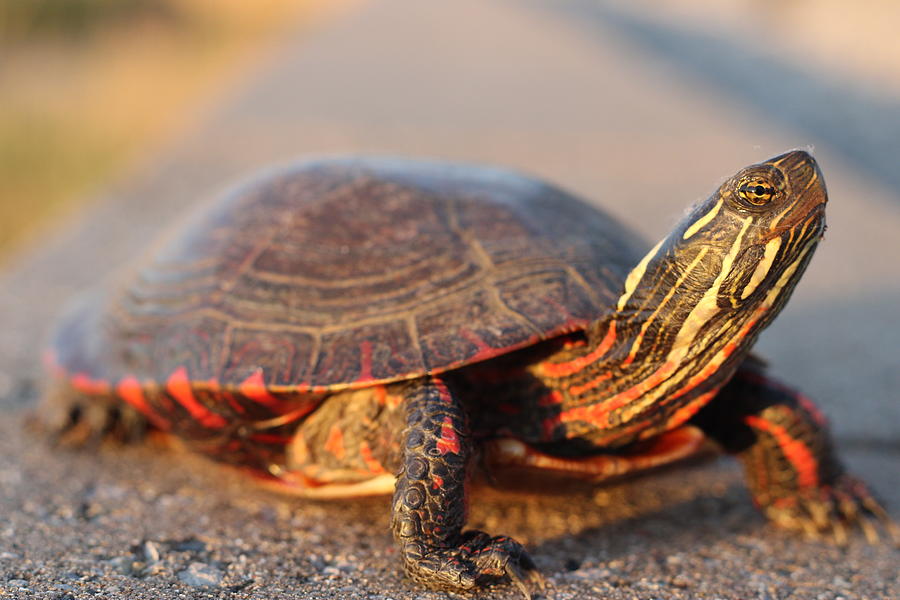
[(343, 273)]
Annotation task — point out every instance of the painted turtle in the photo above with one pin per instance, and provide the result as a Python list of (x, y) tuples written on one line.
[(359, 326)]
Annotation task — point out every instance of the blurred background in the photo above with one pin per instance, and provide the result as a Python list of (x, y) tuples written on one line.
[(117, 116), (89, 88)]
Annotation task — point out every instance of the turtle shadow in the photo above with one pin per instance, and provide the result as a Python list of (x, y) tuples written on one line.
[(676, 507)]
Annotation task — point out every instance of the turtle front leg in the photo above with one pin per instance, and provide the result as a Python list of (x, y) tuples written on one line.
[(793, 472), (429, 504)]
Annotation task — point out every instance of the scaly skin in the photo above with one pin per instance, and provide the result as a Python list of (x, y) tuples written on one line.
[(429, 505)]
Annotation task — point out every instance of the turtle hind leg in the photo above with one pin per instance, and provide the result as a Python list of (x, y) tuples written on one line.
[(793, 472), (428, 507), (73, 418)]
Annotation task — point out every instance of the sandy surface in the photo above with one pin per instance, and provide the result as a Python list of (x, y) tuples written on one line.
[(583, 100)]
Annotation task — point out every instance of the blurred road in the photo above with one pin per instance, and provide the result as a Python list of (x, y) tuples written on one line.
[(612, 105)]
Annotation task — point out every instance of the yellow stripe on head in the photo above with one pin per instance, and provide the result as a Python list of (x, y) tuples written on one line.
[(634, 277), (703, 221)]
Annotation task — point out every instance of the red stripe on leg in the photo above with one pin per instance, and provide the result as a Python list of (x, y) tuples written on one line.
[(449, 441), (797, 453)]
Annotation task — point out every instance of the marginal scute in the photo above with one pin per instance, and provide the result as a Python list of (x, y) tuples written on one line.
[(369, 352), (340, 273), (194, 342), (286, 355)]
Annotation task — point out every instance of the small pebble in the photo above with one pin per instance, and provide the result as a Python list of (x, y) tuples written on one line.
[(151, 552), (201, 575), (122, 564)]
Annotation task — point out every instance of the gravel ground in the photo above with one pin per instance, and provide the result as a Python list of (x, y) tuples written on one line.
[(576, 100)]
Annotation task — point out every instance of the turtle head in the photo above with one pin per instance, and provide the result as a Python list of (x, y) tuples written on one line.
[(753, 238), (696, 302), (743, 247)]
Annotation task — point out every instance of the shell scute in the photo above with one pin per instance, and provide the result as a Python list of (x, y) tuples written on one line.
[(551, 299)]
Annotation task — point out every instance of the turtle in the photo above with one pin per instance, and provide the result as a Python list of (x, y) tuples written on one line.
[(350, 326)]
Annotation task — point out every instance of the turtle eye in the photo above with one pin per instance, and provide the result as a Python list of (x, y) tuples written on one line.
[(756, 191)]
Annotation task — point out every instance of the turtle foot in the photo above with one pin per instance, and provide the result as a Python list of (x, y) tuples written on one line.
[(75, 420), (478, 560), (829, 512)]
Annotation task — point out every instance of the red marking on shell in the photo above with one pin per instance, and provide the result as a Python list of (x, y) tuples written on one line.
[(564, 369), (85, 384), (131, 391), (449, 441), (179, 387), (254, 388), (484, 350), (798, 453), (365, 361), (335, 442), (437, 482), (372, 463)]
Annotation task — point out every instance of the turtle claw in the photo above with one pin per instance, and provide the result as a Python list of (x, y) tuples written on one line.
[(525, 575), (479, 560), (830, 512), (503, 556)]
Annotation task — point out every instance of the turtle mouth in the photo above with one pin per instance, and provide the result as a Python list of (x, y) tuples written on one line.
[(810, 224), (806, 184)]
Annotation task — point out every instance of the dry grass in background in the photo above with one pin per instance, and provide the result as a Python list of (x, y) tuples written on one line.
[(88, 86)]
